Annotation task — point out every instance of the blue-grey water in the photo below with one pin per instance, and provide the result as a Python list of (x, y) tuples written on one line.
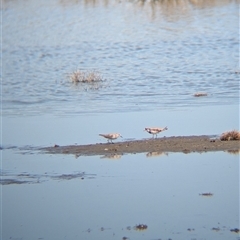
[(63, 197), (153, 56)]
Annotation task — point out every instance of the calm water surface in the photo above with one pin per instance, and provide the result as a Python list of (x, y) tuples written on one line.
[(63, 197), (152, 55)]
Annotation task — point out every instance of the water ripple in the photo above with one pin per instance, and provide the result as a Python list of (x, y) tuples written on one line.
[(146, 63)]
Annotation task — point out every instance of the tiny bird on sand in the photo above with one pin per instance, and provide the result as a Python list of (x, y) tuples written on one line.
[(111, 136), (155, 130)]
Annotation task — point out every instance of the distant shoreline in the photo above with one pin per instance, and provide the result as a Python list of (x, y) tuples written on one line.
[(184, 144)]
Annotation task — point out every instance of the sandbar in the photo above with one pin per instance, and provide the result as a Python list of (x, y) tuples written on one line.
[(184, 144)]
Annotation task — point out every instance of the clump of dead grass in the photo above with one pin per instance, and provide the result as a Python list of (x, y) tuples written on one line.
[(80, 76), (87, 80), (230, 135)]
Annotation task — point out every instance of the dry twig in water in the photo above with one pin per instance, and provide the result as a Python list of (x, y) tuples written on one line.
[(200, 94), (206, 194)]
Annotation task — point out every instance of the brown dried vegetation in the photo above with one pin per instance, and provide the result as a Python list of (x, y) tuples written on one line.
[(230, 135), (79, 76)]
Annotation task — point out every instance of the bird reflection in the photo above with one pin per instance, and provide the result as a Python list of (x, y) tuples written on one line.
[(156, 154), (112, 156)]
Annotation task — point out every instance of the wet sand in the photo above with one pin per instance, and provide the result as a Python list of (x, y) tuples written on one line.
[(185, 144)]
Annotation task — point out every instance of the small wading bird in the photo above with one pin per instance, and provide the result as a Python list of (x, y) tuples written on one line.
[(111, 136), (155, 130)]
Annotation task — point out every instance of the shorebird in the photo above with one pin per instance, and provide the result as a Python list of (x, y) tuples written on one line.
[(111, 136), (155, 130)]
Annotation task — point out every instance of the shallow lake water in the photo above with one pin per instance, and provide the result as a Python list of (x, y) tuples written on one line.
[(152, 56), (63, 197)]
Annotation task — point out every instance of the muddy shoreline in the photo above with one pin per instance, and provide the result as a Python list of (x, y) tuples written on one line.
[(185, 144)]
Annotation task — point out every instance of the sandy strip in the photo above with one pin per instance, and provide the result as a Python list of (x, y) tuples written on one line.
[(184, 144)]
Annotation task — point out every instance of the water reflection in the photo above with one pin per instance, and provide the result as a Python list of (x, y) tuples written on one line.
[(234, 152), (112, 156), (156, 154), (87, 3), (174, 10), (179, 197), (181, 4), (170, 9), (153, 3)]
